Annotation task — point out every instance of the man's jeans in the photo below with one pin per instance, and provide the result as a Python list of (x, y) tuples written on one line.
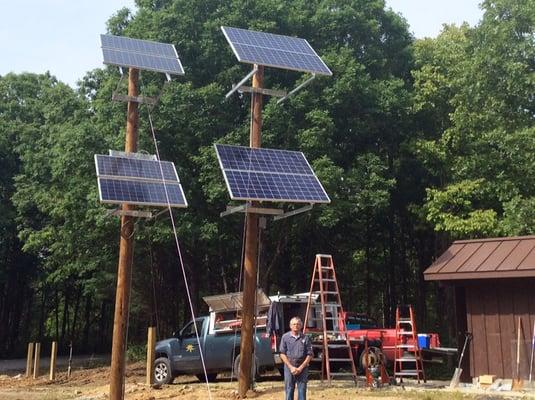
[(291, 380)]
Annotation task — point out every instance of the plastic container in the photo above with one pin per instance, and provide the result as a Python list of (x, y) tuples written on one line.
[(423, 340)]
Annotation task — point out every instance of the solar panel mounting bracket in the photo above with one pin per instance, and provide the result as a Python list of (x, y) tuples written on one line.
[(131, 213), (299, 87), (294, 212), (136, 99), (247, 208), (151, 101), (267, 92), (240, 83)]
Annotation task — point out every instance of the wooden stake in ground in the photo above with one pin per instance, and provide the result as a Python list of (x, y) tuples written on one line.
[(53, 355), (29, 360), (517, 382), (70, 361), (151, 341), (532, 351), (251, 252), (37, 360), (126, 253)]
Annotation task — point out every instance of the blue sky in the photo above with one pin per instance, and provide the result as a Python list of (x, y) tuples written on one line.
[(62, 36)]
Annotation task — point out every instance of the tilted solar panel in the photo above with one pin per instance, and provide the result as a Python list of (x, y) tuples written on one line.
[(138, 46), (141, 181), (265, 160), (128, 167), (141, 193), (269, 175), (141, 54), (272, 50)]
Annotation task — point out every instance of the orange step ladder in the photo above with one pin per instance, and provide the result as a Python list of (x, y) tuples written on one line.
[(326, 312), (408, 356)]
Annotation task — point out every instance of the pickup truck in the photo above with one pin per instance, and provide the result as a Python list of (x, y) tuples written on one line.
[(180, 353)]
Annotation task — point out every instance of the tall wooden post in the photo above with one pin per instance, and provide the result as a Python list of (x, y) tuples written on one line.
[(151, 342), (251, 252), (126, 252), (29, 360), (53, 355), (37, 361)]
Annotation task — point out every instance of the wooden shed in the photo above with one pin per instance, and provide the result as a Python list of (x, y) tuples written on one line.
[(494, 283)]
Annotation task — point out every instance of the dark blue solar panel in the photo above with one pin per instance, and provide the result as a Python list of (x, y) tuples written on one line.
[(111, 166), (138, 46), (265, 160), (269, 175), (141, 193), (259, 186), (142, 54), (274, 50), (268, 40)]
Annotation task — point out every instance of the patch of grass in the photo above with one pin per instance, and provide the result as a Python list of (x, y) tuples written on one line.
[(136, 352)]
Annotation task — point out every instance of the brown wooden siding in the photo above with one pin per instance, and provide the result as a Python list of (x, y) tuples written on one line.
[(492, 311)]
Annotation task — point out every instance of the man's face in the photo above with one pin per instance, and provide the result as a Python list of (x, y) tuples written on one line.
[(295, 326)]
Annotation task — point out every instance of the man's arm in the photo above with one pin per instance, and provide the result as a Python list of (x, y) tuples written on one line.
[(310, 354), (304, 364)]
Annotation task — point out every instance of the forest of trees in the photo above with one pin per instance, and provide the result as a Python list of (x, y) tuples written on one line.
[(417, 142)]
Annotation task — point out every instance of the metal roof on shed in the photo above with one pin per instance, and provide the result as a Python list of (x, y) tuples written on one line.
[(512, 257)]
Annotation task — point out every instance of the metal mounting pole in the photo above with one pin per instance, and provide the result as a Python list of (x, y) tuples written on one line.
[(126, 252), (251, 251)]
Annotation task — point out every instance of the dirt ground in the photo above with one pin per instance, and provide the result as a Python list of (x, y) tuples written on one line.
[(93, 384)]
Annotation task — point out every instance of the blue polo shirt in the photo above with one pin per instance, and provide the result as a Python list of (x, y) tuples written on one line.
[(296, 348)]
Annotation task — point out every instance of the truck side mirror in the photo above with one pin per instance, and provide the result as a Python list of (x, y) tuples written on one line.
[(177, 335)]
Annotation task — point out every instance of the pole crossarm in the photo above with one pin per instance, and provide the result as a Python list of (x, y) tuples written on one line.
[(248, 208), (267, 92), (130, 213), (136, 99), (293, 91)]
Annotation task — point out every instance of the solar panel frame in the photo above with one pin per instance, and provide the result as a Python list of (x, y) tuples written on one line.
[(305, 182), (116, 167), (142, 54), (143, 193), (292, 53)]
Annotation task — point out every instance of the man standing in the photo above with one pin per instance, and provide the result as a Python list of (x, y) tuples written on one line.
[(296, 353)]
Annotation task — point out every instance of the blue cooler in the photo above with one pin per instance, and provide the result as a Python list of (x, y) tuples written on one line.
[(423, 341)]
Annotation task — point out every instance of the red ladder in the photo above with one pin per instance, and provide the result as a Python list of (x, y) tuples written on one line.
[(408, 356), (330, 328)]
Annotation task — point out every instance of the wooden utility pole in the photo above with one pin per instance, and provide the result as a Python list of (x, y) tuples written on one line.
[(126, 253), (251, 252)]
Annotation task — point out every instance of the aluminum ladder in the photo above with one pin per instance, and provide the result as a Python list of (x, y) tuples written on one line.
[(408, 356)]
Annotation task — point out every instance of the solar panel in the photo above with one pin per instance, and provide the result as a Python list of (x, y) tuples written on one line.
[(272, 50), (112, 166), (141, 181), (142, 54), (141, 193), (269, 175)]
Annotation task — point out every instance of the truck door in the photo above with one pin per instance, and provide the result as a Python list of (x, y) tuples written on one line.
[(188, 355)]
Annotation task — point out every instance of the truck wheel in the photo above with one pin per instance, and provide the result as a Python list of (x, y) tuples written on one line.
[(254, 369), (162, 371), (211, 377)]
